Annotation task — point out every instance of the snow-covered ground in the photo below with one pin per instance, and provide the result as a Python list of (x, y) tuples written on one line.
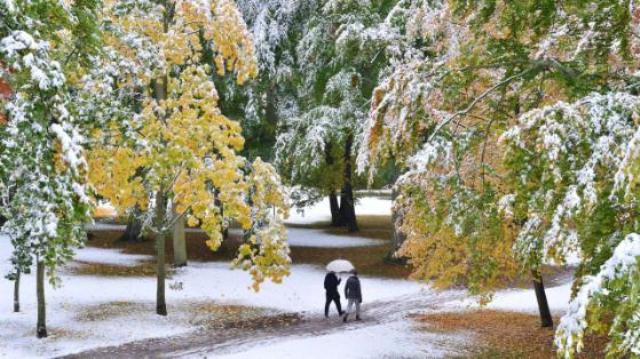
[(398, 339), (107, 256), (519, 300), (299, 237), (319, 212), (81, 295), (87, 312)]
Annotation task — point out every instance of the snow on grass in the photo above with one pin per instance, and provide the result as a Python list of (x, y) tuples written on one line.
[(398, 339), (297, 237), (320, 213), (302, 291), (317, 238), (520, 300), (107, 256)]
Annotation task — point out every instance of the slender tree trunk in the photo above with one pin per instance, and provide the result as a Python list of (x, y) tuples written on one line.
[(218, 203), (335, 208), (161, 208), (347, 205), (179, 243), (41, 328), (546, 321), (333, 197), (16, 293), (397, 217)]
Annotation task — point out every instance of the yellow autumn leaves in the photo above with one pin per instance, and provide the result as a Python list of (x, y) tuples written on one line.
[(179, 145)]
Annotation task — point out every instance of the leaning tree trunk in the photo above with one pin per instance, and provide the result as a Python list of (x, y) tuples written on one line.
[(41, 329), (161, 209), (16, 293), (347, 205), (546, 321), (335, 208), (179, 243)]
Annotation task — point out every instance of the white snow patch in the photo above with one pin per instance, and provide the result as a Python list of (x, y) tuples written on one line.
[(108, 256), (298, 237), (520, 300), (319, 212)]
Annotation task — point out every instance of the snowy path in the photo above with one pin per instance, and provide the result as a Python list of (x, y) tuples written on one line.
[(384, 326)]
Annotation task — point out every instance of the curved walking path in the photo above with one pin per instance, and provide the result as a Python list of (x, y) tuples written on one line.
[(267, 330)]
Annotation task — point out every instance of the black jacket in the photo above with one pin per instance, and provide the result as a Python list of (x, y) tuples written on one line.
[(331, 283), (352, 289)]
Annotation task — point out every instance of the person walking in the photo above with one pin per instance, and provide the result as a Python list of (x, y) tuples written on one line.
[(331, 282), (353, 293)]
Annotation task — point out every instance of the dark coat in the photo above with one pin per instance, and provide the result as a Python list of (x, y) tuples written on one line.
[(352, 289), (331, 282)]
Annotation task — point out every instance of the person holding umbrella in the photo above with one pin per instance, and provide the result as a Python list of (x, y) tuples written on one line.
[(353, 293), (331, 282)]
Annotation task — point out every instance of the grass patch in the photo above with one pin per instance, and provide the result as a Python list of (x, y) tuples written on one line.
[(143, 269), (110, 310), (505, 334), (196, 246), (204, 315)]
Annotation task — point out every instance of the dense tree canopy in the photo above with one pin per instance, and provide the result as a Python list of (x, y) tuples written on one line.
[(510, 127)]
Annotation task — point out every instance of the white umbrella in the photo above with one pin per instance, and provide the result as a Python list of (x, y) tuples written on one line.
[(340, 265)]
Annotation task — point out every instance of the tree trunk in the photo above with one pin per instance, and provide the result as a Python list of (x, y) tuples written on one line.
[(546, 321), (179, 243), (347, 205), (397, 217), (41, 328), (133, 232), (335, 208), (16, 293), (161, 208), (333, 197)]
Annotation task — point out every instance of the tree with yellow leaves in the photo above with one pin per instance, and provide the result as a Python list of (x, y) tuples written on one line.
[(166, 147)]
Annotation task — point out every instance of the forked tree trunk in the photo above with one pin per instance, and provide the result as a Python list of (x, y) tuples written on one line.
[(179, 243), (335, 208), (347, 205), (41, 328), (546, 321), (161, 208), (16, 293)]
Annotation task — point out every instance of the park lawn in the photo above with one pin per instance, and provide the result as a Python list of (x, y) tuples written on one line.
[(369, 260)]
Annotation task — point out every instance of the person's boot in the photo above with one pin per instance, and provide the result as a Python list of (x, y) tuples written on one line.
[(358, 317)]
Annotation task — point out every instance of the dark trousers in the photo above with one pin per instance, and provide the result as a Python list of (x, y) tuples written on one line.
[(335, 297)]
